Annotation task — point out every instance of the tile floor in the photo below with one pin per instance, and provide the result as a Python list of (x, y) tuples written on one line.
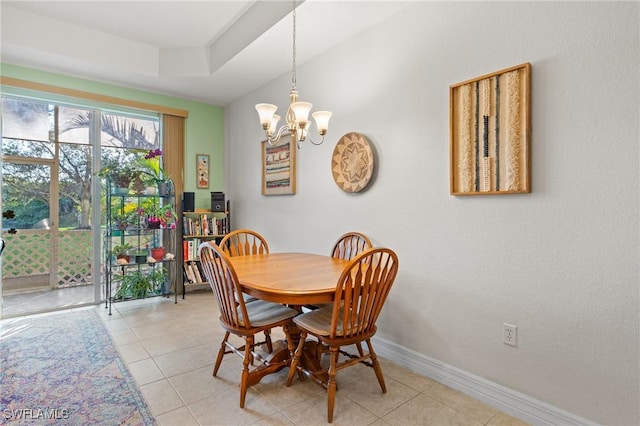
[(27, 303), (170, 350)]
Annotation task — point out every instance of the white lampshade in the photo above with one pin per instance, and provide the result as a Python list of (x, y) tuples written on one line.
[(322, 121), (301, 111), (266, 112), (274, 123)]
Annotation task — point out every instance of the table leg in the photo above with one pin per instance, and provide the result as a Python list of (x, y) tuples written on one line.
[(282, 354)]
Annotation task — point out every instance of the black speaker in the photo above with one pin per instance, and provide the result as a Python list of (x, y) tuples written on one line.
[(188, 201), (217, 202)]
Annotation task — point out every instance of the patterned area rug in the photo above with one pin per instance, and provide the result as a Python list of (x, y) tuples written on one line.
[(63, 368)]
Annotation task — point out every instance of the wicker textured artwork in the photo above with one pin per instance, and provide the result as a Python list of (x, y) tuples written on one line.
[(352, 162), (490, 127)]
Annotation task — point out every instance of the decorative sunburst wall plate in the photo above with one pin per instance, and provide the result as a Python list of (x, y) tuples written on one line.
[(352, 162)]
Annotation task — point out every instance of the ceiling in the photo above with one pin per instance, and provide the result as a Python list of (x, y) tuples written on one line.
[(208, 51)]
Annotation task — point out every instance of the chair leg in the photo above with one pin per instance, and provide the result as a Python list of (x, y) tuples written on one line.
[(245, 369), (223, 347), (287, 337), (267, 339), (360, 351), (376, 367), (296, 358), (331, 386)]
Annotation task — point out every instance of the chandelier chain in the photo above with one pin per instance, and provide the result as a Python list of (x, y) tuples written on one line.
[(293, 71)]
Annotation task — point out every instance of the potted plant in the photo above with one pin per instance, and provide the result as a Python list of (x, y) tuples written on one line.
[(157, 215), (135, 284), (120, 175), (122, 178), (123, 218), (158, 253), (139, 256), (158, 277), (151, 167), (138, 184), (122, 251)]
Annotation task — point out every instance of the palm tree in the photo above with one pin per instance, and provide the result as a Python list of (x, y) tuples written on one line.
[(123, 133), (119, 133)]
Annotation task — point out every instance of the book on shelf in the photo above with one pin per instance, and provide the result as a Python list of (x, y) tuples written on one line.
[(196, 272), (193, 272), (191, 249), (203, 225), (185, 250), (188, 270)]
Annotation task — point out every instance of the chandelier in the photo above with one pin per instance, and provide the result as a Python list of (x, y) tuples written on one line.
[(297, 117)]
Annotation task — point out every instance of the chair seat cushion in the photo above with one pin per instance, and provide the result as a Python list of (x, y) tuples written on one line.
[(263, 313), (318, 322), (248, 298)]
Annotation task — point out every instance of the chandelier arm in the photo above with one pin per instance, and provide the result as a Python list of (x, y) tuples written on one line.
[(282, 131), (310, 139)]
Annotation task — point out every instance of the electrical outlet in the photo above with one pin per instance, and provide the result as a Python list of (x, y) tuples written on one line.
[(510, 334)]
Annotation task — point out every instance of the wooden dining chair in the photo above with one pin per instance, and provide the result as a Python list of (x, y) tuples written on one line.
[(359, 297), (242, 319), (243, 242), (350, 244), (347, 247), (246, 242)]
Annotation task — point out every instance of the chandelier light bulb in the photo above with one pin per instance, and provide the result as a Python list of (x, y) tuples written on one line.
[(266, 112), (322, 121), (274, 123), (301, 111)]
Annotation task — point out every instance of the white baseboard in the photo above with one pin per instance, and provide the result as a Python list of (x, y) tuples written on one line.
[(514, 403)]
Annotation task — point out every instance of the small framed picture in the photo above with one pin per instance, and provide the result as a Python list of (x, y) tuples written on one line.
[(279, 167), (202, 171)]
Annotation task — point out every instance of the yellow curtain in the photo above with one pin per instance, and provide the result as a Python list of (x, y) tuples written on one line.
[(173, 145), (173, 141)]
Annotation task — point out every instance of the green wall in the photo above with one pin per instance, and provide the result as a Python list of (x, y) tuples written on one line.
[(204, 126)]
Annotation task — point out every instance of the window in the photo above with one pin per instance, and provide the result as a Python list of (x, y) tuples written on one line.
[(49, 151), (41, 130)]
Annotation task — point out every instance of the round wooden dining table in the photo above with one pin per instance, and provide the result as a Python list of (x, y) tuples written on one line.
[(295, 279)]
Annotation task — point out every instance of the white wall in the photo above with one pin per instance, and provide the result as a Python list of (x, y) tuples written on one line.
[(561, 263)]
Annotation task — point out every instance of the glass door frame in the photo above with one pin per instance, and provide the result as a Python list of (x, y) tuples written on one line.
[(53, 215)]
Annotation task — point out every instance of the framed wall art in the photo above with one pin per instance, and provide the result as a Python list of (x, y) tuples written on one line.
[(490, 129), (279, 167), (202, 171)]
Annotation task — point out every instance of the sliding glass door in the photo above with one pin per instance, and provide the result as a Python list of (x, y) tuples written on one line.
[(51, 201), (28, 261), (47, 205)]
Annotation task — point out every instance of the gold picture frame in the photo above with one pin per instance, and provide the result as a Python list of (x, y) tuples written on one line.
[(202, 171), (490, 130), (279, 167)]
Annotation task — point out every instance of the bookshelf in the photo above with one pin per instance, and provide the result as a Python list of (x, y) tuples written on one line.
[(197, 227)]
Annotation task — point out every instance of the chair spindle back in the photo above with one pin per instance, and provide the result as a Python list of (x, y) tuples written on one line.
[(225, 285), (350, 245), (361, 291), (244, 242)]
